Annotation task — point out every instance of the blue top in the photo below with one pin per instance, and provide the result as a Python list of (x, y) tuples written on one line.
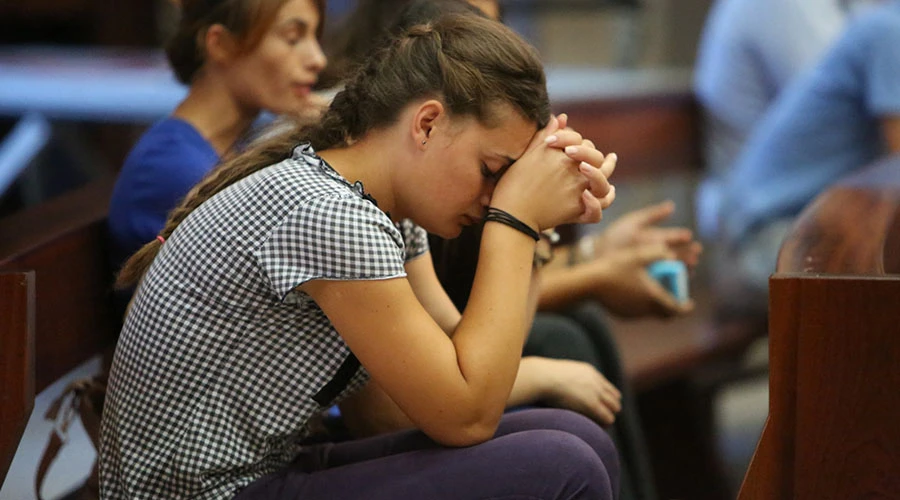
[(824, 125), (750, 51), (168, 160)]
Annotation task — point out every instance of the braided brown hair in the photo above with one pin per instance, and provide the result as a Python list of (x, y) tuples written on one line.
[(470, 63)]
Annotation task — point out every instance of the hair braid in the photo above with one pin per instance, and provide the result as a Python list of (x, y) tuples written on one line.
[(254, 159)]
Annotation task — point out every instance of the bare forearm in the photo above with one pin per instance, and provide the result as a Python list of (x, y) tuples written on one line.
[(371, 412), (490, 335), (561, 287), (534, 294), (531, 383)]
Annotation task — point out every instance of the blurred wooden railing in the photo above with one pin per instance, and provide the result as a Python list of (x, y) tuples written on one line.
[(833, 430)]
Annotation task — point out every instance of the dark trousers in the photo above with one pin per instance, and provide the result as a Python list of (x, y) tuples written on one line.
[(581, 334), (535, 454)]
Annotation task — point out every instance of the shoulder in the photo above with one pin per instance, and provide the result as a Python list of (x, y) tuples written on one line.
[(875, 24), (315, 200), (172, 148), (342, 216), (415, 239)]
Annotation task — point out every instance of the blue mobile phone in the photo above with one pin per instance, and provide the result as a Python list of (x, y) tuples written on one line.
[(672, 275)]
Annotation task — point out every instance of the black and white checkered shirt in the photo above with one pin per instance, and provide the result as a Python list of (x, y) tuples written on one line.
[(221, 363)]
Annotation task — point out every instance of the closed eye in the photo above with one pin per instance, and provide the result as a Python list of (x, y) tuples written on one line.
[(294, 30), (488, 174)]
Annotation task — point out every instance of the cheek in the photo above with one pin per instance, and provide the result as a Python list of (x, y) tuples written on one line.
[(275, 71), (273, 59), (247, 79), (466, 188)]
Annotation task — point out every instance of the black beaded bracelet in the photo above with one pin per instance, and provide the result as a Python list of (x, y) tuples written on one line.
[(497, 215)]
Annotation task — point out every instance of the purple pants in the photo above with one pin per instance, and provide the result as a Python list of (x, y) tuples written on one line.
[(538, 454)]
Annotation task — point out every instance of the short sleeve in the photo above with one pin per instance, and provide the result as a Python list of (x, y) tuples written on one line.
[(883, 65), (332, 238), (414, 238)]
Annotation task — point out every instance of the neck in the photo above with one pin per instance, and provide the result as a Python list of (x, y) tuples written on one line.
[(215, 113), (371, 160)]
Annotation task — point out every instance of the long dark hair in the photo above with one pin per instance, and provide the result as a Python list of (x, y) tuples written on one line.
[(470, 63)]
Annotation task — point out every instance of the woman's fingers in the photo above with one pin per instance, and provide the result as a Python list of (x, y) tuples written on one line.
[(598, 184), (562, 139), (544, 134), (609, 164), (584, 154), (603, 415), (607, 200), (610, 402), (593, 208)]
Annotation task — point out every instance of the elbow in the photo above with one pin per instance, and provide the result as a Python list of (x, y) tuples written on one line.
[(465, 433)]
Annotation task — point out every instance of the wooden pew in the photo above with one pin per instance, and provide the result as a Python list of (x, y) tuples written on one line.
[(55, 297), (16, 361), (833, 430)]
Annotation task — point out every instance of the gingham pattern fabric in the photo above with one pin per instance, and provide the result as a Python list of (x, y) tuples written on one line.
[(221, 363)]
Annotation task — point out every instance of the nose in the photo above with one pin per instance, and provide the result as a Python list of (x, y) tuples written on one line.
[(315, 60), (487, 193)]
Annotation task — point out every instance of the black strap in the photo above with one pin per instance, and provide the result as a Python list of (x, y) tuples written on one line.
[(503, 217), (340, 381)]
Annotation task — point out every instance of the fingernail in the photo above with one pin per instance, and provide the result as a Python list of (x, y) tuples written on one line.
[(550, 139), (585, 167), (570, 150), (613, 156)]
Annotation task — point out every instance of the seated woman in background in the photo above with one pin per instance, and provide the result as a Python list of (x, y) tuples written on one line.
[(239, 58), (288, 277)]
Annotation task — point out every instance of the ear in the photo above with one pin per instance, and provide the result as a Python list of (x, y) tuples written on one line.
[(426, 120), (219, 44)]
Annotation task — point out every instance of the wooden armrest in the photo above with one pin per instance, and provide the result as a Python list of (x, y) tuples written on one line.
[(16, 361), (63, 241), (832, 430)]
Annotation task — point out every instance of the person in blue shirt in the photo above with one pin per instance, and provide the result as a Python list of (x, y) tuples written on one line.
[(238, 59), (842, 115), (750, 51)]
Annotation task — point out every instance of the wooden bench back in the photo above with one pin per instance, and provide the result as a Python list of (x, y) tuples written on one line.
[(16, 361), (832, 430), (55, 287)]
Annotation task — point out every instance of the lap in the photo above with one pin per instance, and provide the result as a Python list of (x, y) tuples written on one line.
[(535, 454)]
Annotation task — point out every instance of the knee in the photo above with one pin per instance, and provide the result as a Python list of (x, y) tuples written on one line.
[(567, 464), (581, 427)]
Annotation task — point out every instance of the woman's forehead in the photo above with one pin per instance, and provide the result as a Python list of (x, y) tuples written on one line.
[(298, 11)]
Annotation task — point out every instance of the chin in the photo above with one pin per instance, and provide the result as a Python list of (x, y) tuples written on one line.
[(448, 232), (455, 234)]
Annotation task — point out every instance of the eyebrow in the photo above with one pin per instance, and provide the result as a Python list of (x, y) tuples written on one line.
[(294, 22), (509, 161)]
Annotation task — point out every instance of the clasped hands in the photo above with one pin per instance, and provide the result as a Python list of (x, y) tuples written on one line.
[(560, 179)]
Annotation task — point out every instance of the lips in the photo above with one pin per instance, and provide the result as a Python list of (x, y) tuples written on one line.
[(471, 221), (301, 90)]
